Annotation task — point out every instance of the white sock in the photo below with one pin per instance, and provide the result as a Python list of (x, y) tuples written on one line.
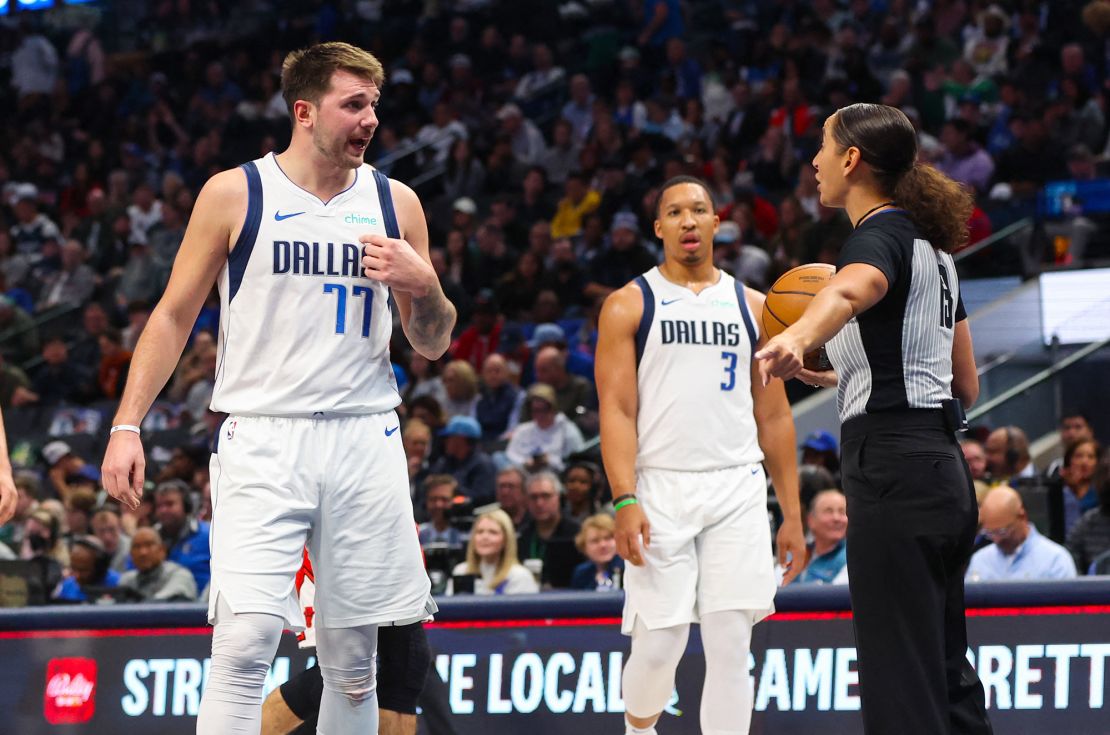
[(630, 729)]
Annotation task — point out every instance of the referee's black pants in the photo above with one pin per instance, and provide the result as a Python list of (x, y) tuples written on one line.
[(912, 518)]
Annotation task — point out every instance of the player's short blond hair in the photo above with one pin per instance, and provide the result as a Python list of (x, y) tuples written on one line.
[(306, 73)]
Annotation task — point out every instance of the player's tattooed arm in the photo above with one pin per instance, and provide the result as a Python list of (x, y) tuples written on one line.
[(430, 323)]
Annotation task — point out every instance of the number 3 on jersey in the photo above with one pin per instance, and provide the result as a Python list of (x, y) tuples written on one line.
[(730, 370), (340, 290)]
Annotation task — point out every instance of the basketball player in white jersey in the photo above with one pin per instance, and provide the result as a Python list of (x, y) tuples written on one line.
[(685, 431), (306, 248)]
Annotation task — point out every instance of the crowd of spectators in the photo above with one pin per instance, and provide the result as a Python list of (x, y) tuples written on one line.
[(537, 135)]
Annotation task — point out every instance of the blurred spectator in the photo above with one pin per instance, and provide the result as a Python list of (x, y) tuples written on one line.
[(1074, 427), (499, 402), (32, 228), (525, 139), (582, 483), (517, 290), (491, 557), (185, 537), (963, 160), (510, 494), (1081, 458), (15, 386), (561, 157), (442, 132), (547, 535), (976, 458), (61, 464), (1030, 162), (85, 348), (58, 379), (988, 42), (1089, 540), (154, 578), (482, 337), (27, 487), (22, 343), (465, 460), (1019, 552), (115, 361), (439, 496), (464, 172), (73, 283), (579, 109), (80, 502), (543, 75), (820, 448), (578, 201), (416, 438), (34, 64), (89, 568), (625, 258), (548, 438), (138, 314), (1008, 455), (787, 247), (827, 522), (575, 396), (106, 526), (603, 569), (460, 387)]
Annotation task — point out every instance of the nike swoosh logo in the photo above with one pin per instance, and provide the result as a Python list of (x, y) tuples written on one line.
[(278, 216), (391, 432), (668, 302)]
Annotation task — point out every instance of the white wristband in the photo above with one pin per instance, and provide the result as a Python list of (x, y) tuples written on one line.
[(124, 427)]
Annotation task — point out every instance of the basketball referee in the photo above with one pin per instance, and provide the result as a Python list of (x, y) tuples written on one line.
[(898, 339)]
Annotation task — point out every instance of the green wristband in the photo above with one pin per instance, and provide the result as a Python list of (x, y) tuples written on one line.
[(626, 501)]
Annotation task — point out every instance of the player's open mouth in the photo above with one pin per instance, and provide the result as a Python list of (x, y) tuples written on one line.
[(359, 144), (690, 241)]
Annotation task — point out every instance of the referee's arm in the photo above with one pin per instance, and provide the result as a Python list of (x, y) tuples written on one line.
[(965, 376)]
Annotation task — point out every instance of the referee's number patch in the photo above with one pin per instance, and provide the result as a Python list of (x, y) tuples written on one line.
[(946, 313)]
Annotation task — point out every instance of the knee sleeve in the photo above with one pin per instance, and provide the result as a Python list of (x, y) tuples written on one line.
[(243, 647), (349, 703), (404, 660), (648, 677), (726, 700), (347, 660)]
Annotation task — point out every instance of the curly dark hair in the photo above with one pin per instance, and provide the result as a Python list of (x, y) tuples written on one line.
[(887, 142)]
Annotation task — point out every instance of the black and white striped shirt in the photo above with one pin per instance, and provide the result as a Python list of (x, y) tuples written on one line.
[(898, 354)]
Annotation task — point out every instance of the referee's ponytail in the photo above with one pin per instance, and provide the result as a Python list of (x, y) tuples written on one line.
[(887, 142)]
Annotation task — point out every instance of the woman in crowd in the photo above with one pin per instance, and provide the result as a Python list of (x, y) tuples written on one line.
[(1080, 496), (491, 557)]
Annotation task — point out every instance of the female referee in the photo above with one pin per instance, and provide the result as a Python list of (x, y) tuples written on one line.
[(898, 339)]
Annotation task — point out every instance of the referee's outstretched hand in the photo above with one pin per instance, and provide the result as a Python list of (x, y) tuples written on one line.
[(631, 525), (782, 357)]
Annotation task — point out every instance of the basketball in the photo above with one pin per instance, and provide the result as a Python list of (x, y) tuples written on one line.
[(788, 298)]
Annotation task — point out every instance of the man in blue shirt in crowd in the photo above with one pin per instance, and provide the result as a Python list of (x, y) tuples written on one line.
[(186, 538), (1018, 551), (828, 525)]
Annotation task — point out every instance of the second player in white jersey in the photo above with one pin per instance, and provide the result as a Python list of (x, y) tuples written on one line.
[(694, 375), (297, 266)]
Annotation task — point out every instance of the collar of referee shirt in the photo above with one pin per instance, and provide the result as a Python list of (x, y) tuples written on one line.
[(880, 205)]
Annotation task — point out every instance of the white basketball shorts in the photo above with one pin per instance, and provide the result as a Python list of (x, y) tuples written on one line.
[(710, 547), (338, 484)]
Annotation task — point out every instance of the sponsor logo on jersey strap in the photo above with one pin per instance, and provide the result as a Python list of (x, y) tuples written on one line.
[(668, 302), (391, 432), (278, 216)]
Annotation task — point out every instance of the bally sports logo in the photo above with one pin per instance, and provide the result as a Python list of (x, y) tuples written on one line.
[(70, 691)]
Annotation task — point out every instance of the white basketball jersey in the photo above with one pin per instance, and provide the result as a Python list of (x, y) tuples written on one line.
[(302, 330), (694, 354)]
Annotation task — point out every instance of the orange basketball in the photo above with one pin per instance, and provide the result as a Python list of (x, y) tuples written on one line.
[(788, 298)]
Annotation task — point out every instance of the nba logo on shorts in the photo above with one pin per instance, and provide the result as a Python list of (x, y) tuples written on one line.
[(70, 691), (231, 428)]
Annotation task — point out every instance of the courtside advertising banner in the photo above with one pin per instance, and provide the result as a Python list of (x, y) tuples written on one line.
[(1044, 669)]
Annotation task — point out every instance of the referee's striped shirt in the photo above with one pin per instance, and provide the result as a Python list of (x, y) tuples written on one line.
[(897, 354)]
